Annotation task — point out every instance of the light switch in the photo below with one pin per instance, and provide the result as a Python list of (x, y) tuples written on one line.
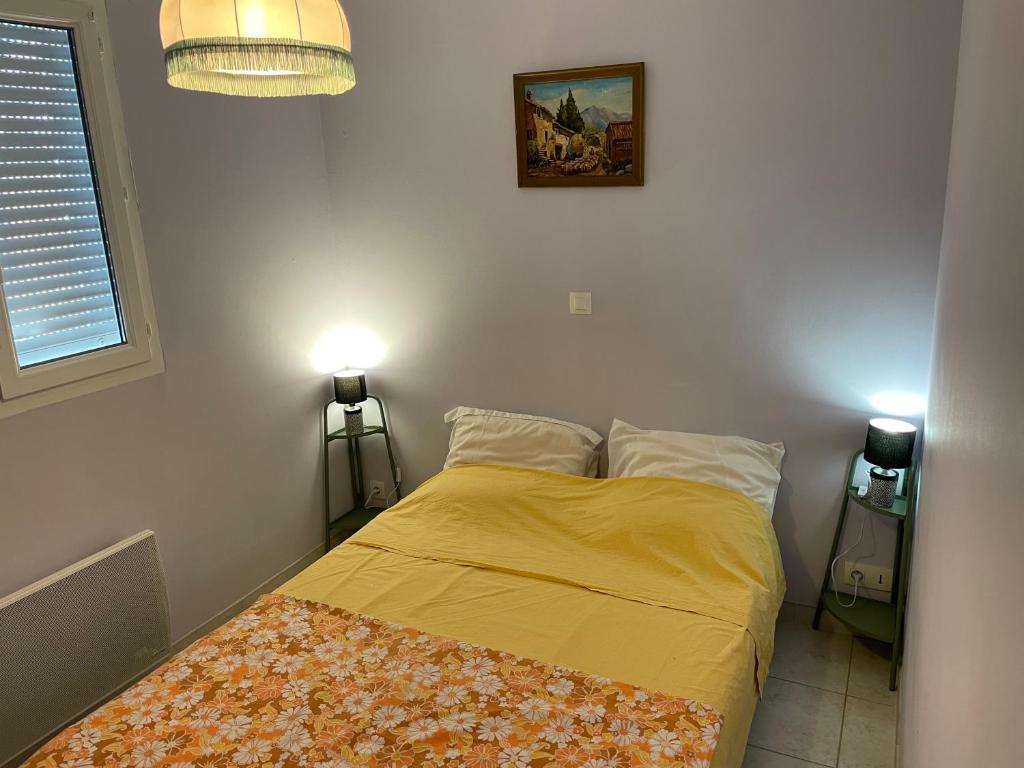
[(579, 303)]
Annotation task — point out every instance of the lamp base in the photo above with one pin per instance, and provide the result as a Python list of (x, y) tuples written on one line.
[(882, 492), (353, 420)]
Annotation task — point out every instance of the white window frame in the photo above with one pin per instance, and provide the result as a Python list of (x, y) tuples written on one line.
[(140, 355)]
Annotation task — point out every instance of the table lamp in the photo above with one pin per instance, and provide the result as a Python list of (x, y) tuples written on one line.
[(350, 390), (889, 446)]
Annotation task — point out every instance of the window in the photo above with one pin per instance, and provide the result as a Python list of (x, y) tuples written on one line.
[(76, 309)]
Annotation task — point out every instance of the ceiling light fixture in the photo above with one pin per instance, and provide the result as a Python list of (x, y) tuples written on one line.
[(257, 47)]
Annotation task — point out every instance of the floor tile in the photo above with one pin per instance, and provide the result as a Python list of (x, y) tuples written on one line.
[(804, 655), (869, 672), (799, 721), (869, 735), (762, 758), (793, 613)]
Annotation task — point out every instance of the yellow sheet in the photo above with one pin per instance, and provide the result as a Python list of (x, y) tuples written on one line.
[(667, 584)]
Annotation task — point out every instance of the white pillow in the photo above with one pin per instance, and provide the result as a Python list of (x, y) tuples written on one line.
[(737, 463), (497, 437)]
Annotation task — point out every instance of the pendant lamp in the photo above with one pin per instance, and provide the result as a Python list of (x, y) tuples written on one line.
[(257, 47)]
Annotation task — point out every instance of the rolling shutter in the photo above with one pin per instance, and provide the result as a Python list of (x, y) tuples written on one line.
[(55, 267)]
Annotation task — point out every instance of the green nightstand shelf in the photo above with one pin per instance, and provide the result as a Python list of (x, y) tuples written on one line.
[(877, 619), (360, 514)]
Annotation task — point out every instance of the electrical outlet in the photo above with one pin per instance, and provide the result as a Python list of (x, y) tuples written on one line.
[(377, 491), (875, 576)]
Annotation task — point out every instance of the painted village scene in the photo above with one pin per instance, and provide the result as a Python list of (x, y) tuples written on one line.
[(580, 127)]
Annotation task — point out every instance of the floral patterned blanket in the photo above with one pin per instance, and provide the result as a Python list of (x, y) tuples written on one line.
[(295, 683)]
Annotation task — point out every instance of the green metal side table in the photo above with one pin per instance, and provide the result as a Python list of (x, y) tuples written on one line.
[(360, 514), (876, 619)]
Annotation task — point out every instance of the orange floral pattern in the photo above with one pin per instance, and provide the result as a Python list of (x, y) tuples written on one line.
[(295, 683)]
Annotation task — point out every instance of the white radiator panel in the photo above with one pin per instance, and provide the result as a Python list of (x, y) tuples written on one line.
[(70, 640)]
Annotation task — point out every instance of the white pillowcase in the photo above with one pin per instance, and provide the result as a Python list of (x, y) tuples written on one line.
[(497, 437), (736, 463)]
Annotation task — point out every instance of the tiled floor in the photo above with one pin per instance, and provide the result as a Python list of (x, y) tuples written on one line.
[(827, 701)]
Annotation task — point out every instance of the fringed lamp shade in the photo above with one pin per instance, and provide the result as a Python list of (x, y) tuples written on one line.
[(257, 47)]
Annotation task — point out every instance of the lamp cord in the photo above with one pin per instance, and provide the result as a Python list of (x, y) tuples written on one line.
[(865, 519), (394, 490)]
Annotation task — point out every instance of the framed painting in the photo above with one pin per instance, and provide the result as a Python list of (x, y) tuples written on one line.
[(580, 127)]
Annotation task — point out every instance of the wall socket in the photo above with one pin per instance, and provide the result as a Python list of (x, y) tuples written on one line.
[(875, 576), (377, 491)]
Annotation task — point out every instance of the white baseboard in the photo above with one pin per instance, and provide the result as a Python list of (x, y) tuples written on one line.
[(245, 601)]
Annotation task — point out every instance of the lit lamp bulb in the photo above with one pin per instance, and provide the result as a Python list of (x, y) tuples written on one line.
[(346, 346)]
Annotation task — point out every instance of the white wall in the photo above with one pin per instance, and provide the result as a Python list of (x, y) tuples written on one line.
[(796, 150), (963, 672), (219, 455), (776, 272)]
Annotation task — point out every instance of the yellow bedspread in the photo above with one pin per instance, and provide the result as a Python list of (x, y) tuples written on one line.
[(667, 584)]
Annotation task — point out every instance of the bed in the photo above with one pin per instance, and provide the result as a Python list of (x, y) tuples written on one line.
[(660, 590)]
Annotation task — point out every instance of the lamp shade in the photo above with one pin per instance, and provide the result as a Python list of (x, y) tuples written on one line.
[(350, 387), (257, 47), (890, 443)]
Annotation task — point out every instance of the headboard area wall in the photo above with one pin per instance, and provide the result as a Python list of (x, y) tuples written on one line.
[(774, 275)]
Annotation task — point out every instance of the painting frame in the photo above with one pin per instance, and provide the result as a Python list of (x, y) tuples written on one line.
[(522, 81)]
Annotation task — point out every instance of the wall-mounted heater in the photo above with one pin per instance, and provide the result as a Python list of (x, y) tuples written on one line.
[(72, 639)]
